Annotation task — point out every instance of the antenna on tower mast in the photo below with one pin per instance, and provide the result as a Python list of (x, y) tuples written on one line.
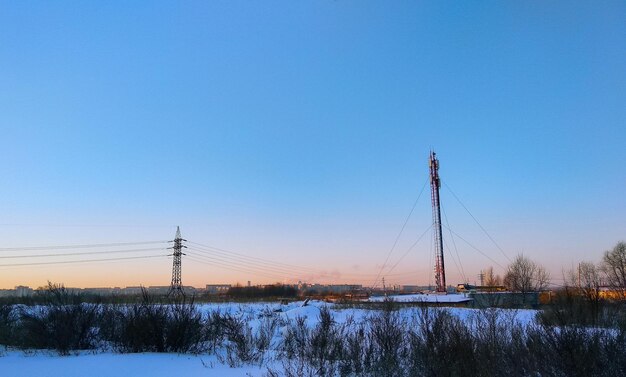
[(176, 288), (435, 184)]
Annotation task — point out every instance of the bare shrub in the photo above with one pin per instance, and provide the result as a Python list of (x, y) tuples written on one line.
[(318, 350), (570, 351), (265, 334), (7, 325), (325, 346), (297, 367), (386, 336), (183, 330), (213, 330), (441, 346), (296, 339), (493, 332), (357, 350), (137, 328), (614, 353), (64, 324), (149, 326), (241, 343), (434, 342)]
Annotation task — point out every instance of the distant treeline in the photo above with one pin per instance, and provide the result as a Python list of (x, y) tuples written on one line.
[(41, 296), (276, 290)]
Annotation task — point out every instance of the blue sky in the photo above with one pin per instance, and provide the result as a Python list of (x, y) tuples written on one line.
[(300, 131)]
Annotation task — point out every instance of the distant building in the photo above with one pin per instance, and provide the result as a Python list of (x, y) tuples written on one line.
[(609, 293), (411, 288), (463, 288), (102, 291), (23, 291), (132, 290), (19, 291), (331, 288), (159, 289), (214, 289)]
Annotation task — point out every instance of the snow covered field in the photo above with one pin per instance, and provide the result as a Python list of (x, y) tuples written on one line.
[(42, 364), (100, 364)]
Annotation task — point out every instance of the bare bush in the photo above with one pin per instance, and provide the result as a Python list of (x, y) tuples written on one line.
[(296, 339), (494, 334), (241, 343), (386, 337), (7, 325), (149, 326), (441, 345), (357, 350), (64, 324), (183, 331), (213, 330)]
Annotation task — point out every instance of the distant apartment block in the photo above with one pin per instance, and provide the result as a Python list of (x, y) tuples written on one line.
[(214, 289), (19, 291)]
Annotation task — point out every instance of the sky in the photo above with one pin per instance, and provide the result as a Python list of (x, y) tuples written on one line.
[(297, 135)]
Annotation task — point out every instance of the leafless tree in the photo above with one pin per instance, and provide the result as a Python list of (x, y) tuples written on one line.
[(614, 268), (492, 280), (587, 279), (524, 275)]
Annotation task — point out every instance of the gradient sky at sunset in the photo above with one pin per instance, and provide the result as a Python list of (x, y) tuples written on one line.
[(299, 133)]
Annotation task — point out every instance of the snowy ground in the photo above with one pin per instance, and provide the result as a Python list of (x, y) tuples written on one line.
[(105, 364), (18, 364)]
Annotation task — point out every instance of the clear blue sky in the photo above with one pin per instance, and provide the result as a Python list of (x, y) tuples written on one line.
[(299, 131)]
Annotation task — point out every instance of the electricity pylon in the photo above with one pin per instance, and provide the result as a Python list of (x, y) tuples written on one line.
[(176, 288)]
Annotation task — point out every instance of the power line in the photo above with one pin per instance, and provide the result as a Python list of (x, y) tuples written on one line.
[(454, 244), (475, 248), (241, 255), (80, 261), (454, 260), (477, 222), (241, 264), (400, 233), (251, 267), (86, 246), (431, 254), (252, 260), (267, 271), (199, 259), (409, 249), (404, 255), (265, 264), (81, 253)]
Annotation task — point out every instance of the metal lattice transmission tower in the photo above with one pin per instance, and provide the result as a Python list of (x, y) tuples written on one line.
[(176, 288), (435, 184)]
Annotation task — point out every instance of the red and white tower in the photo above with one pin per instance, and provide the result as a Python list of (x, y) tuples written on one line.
[(435, 184)]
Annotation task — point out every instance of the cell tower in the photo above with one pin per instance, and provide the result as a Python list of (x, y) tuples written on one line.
[(176, 288), (435, 184)]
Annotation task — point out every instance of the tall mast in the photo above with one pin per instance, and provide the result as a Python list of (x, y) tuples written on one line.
[(176, 288), (435, 184)]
